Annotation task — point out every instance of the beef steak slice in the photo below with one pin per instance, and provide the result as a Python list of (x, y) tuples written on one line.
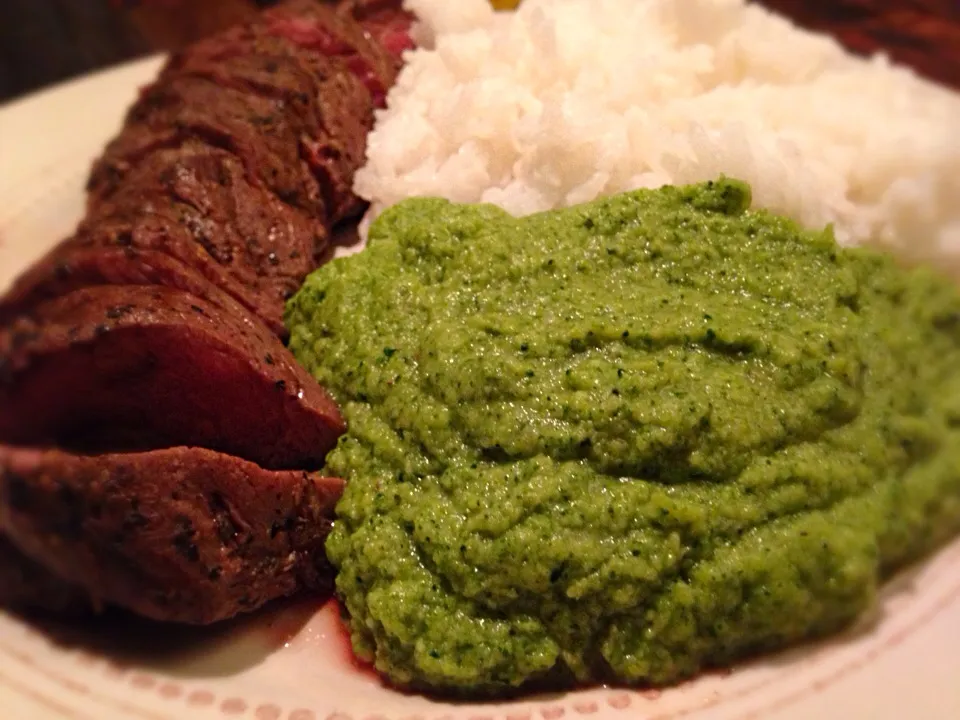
[(181, 534), (385, 20), (145, 367), (75, 267), (254, 128), (165, 243), (321, 29), (325, 103), (263, 243)]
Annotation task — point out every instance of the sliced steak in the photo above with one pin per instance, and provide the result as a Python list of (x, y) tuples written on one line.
[(146, 367), (182, 534), (263, 243), (252, 127), (27, 585), (385, 20), (75, 267), (147, 347), (131, 255), (326, 104), (316, 27), (321, 29)]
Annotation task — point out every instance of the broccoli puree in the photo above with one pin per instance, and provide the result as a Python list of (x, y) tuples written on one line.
[(625, 440)]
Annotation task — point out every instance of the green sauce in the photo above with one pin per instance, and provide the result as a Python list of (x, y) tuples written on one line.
[(626, 440)]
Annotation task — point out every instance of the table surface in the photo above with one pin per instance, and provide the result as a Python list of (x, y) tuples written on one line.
[(45, 41)]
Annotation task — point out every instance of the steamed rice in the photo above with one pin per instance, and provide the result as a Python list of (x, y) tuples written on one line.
[(567, 100)]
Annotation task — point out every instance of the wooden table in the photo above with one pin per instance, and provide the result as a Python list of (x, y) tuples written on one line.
[(43, 41)]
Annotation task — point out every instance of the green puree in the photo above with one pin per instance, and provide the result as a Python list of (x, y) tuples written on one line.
[(625, 440)]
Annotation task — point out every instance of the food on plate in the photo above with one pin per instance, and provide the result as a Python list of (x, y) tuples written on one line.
[(115, 367), (148, 250), (349, 35), (565, 101), (290, 97), (179, 534), (625, 440), (384, 21), (197, 204), (155, 432), (578, 439)]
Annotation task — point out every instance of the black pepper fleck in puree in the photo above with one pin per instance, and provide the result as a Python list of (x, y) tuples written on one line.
[(626, 440)]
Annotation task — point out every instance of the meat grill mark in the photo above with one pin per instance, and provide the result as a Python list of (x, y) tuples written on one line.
[(226, 528), (183, 539), (118, 311), (18, 490)]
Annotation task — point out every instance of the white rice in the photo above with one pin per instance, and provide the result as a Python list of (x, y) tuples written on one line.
[(567, 100)]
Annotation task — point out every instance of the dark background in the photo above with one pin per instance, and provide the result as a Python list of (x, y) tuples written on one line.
[(44, 41)]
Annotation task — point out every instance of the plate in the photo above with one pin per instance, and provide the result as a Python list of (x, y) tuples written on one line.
[(293, 662)]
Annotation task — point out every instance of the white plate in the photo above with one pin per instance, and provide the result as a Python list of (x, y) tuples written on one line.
[(293, 663)]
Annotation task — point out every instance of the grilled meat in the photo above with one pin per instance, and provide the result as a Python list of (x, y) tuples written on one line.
[(157, 437), (181, 534)]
